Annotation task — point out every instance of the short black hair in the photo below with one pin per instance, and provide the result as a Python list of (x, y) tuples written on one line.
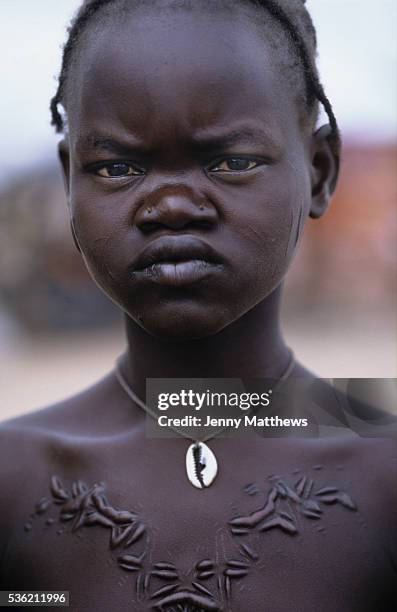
[(291, 15)]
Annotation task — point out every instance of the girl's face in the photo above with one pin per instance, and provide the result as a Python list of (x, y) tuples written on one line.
[(189, 176)]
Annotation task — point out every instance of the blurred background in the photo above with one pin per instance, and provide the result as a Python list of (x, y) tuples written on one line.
[(59, 334)]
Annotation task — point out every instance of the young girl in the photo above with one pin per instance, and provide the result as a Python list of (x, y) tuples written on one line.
[(192, 162)]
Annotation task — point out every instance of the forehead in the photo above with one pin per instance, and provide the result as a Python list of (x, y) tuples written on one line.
[(182, 69)]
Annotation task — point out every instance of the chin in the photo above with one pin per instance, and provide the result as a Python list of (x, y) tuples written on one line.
[(181, 326)]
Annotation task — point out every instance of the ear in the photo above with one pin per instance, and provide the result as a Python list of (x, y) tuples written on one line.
[(64, 158), (324, 171)]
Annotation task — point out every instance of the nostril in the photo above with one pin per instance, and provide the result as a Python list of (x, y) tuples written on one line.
[(175, 208)]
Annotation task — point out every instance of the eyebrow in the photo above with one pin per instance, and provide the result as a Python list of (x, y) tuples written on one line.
[(110, 145), (201, 142), (238, 136)]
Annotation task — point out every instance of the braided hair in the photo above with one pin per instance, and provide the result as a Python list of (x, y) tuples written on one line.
[(290, 15)]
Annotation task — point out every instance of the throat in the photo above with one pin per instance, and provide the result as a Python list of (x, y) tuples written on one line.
[(250, 347)]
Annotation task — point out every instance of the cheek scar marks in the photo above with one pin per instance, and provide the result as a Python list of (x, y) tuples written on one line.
[(295, 232), (297, 220)]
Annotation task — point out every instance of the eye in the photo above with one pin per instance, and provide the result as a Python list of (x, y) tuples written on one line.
[(118, 170), (236, 164)]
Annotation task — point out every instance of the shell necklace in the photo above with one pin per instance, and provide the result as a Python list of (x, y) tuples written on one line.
[(201, 463)]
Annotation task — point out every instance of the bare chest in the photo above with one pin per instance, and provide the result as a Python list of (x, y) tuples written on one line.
[(126, 530)]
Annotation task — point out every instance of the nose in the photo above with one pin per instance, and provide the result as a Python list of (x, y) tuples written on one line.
[(177, 208)]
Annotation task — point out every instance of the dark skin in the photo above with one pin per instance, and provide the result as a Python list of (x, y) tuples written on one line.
[(141, 110), (178, 149)]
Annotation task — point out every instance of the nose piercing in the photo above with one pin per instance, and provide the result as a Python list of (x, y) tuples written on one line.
[(201, 207), (149, 210)]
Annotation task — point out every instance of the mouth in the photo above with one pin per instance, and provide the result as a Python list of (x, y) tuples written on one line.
[(176, 260)]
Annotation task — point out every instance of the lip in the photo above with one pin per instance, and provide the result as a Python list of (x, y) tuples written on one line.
[(176, 260)]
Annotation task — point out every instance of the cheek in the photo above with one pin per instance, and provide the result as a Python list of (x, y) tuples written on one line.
[(273, 226), (96, 226), (300, 190), (259, 233)]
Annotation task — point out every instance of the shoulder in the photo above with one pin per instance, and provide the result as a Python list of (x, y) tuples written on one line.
[(80, 414), (30, 443), (363, 406), (26, 444), (364, 468), (359, 404), (22, 457), (33, 443), (32, 447)]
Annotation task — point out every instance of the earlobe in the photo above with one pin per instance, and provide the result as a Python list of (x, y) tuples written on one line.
[(324, 171)]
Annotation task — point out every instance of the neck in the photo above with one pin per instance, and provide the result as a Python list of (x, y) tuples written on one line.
[(251, 347)]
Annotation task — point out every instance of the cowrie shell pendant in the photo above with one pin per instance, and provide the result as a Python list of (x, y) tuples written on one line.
[(201, 465)]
